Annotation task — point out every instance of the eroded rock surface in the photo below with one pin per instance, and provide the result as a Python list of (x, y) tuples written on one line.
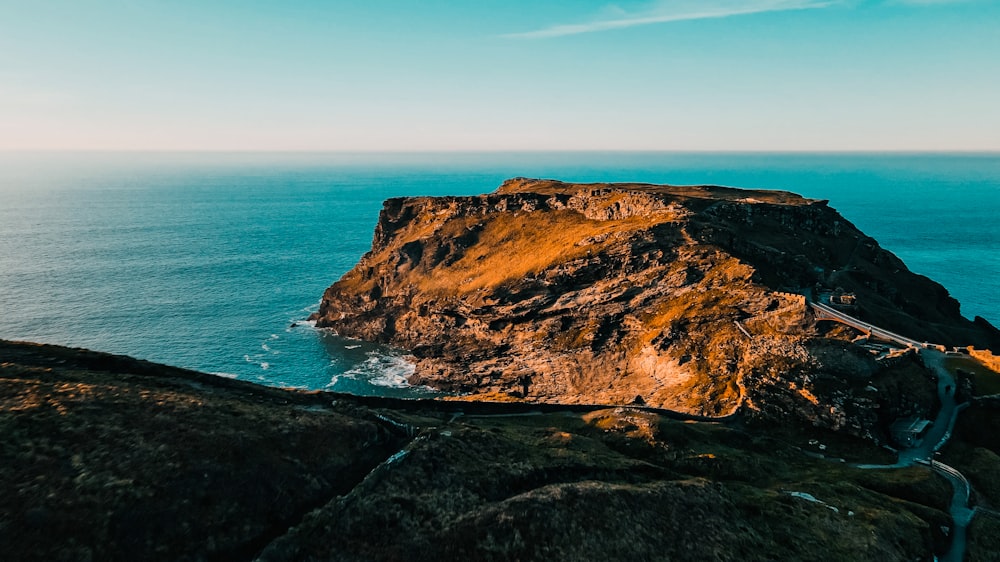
[(688, 298)]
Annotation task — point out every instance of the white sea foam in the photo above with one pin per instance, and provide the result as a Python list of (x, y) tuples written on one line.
[(351, 346), (265, 347), (275, 336), (295, 324), (381, 370), (226, 375), (392, 379), (265, 365)]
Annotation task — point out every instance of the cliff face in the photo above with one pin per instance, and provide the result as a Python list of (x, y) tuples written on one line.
[(688, 298)]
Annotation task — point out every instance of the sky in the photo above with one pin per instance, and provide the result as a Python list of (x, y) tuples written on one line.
[(484, 75)]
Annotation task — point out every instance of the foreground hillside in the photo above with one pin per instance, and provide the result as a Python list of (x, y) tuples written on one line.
[(107, 458), (688, 298)]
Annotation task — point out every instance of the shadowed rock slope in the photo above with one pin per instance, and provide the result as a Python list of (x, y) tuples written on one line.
[(108, 458), (686, 298)]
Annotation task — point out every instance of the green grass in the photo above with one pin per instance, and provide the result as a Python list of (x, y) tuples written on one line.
[(985, 381)]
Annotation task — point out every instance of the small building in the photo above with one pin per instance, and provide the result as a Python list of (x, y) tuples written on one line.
[(844, 299), (909, 432)]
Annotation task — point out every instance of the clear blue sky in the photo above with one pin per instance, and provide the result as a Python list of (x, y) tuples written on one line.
[(500, 74)]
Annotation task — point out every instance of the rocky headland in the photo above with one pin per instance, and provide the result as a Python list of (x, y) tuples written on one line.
[(636, 372), (691, 298)]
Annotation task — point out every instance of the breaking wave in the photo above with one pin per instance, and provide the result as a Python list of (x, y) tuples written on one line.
[(380, 369)]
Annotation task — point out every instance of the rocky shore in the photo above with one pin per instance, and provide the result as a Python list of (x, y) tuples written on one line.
[(687, 298)]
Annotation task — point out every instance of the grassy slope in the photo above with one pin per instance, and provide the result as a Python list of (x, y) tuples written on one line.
[(108, 458), (620, 485), (105, 457)]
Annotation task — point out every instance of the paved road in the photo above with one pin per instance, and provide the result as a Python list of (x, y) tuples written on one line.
[(936, 437)]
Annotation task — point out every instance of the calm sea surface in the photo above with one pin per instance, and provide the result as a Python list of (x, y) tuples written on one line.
[(206, 260)]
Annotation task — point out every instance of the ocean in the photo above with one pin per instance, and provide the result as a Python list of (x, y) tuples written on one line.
[(207, 260)]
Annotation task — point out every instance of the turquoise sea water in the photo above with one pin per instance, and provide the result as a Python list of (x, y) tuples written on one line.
[(205, 260)]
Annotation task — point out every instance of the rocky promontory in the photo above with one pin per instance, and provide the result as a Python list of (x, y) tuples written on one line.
[(564, 318), (692, 298)]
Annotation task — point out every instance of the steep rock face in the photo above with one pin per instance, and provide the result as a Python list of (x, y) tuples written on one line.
[(688, 298)]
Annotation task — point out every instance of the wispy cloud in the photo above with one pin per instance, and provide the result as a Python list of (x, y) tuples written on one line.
[(929, 2), (665, 11)]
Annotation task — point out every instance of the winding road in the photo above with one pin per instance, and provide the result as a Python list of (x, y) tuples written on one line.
[(936, 437)]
